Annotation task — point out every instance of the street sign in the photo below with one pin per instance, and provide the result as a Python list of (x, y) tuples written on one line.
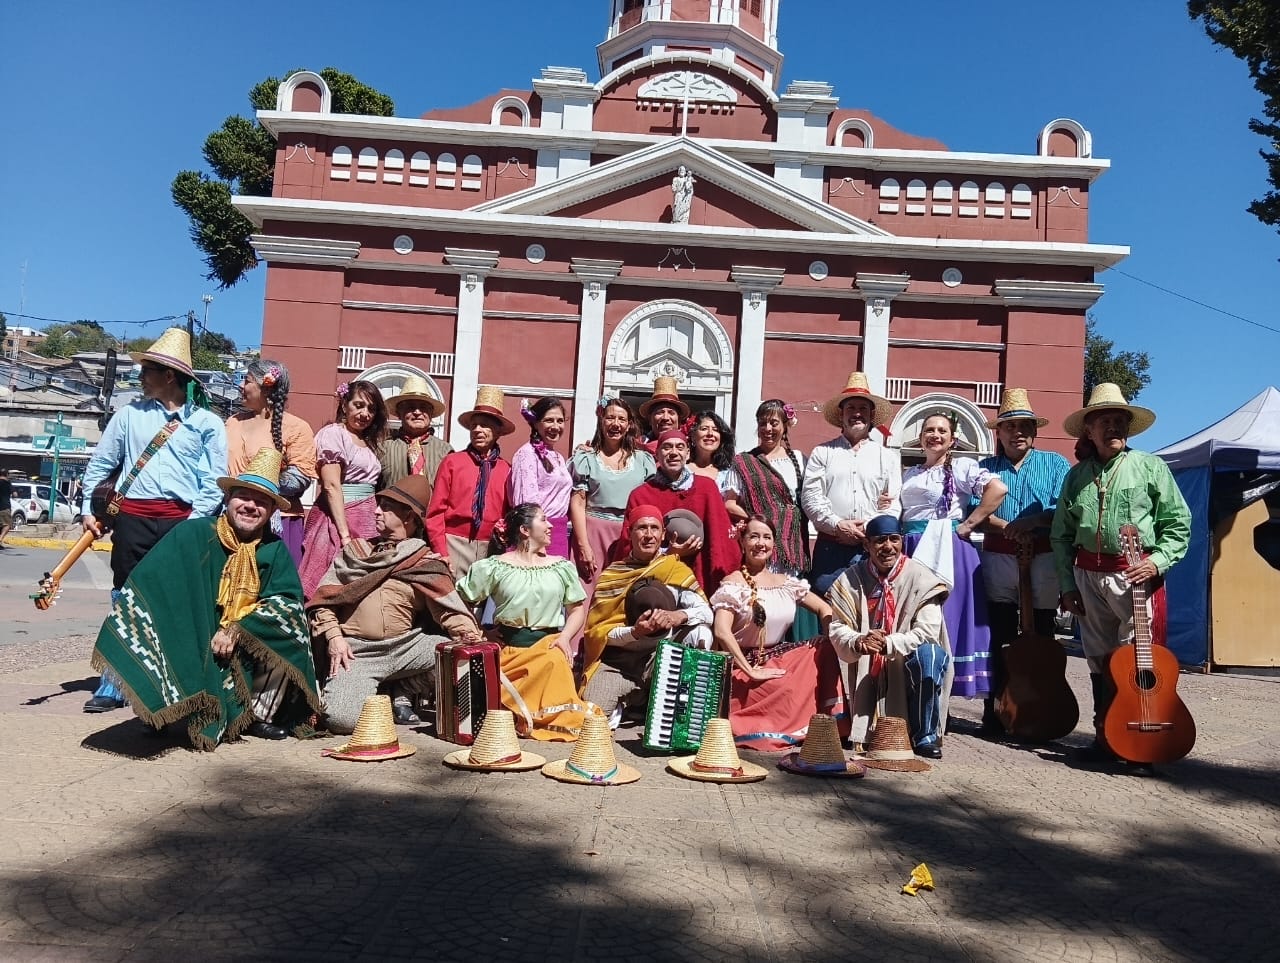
[(64, 443), (57, 428)]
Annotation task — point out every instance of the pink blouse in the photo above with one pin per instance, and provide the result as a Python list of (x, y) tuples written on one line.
[(531, 482), (337, 446)]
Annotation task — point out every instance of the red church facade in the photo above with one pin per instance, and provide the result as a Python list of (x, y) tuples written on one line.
[(545, 241)]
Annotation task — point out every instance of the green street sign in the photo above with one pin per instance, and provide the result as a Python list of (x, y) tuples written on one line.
[(57, 428)]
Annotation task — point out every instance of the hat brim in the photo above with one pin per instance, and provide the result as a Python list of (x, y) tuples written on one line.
[(344, 752), (1140, 418), (172, 363), (674, 402), (883, 414), (1040, 422), (557, 770), (791, 763), (434, 404), (226, 483), (683, 766), (505, 426), (896, 765), (527, 761)]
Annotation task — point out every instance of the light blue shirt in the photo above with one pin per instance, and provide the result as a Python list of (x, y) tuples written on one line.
[(1034, 486), (186, 469)]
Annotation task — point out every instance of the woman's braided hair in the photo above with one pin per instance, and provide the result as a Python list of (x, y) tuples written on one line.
[(273, 377), (778, 406)]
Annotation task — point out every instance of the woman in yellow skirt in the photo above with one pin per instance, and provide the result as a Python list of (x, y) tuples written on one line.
[(538, 608)]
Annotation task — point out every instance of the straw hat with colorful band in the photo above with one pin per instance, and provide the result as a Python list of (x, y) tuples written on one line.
[(717, 759), (173, 350), (1104, 397), (821, 754), (592, 762), (262, 474), (1016, 406), (888, 747), (858, 387), (415, 388), (495, 748), (665, 393), (374, 738), (489, 401), (412, 491)]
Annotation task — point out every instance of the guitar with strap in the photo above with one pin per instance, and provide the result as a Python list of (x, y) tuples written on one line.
[(1147, 721), (1037, 704), (104, 505)]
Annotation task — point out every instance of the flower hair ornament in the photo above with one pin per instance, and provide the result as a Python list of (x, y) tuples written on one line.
[(342, 391), (603, 404), (689, 424), (526, 411), (789, 413), (270, 377)]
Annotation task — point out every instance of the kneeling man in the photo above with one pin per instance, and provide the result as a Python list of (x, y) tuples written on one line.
[(383, 606), (638, 602), (210, 623), (888, 623)]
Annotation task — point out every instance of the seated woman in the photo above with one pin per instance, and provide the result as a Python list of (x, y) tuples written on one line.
[(777, 685), (538, 608)]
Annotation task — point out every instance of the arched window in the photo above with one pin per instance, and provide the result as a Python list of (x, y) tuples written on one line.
[(390, 379), (392, 166), (446, 168), (889, 192), (368, 164), (340, 164), (472, 169), (420, 169)]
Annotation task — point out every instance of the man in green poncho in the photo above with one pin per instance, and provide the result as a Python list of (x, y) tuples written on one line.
[(210, 626)]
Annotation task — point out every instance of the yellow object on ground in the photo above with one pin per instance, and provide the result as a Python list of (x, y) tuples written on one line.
[(921, 878)]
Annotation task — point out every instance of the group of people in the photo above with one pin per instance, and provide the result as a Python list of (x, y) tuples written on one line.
[(577, 563)]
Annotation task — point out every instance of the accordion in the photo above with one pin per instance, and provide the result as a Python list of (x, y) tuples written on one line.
[(689, 687), (467, 687)]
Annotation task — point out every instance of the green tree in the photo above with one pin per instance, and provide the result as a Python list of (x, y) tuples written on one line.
[(1250, 29), (64, 340), (4, 328), (1128, 369), (242, 156)]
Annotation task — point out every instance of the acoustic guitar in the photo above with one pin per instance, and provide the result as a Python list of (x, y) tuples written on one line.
[(51, 584), (1037, 704), (1147, 721)]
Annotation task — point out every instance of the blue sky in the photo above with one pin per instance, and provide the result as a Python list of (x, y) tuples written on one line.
[(108, 101)]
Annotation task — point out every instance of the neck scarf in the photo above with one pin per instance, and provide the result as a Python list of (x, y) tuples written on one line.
[(485, 463), (660, 480), (417, 455), (884, 613), (239, 587)]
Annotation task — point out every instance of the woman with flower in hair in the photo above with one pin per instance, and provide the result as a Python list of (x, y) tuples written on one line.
[(604, 476), (539, 473), (262, 422), (710, 446), (935, 496), (348, 466), (766, 481)]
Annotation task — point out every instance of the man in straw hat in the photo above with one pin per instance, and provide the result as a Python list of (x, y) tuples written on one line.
[(638, 602), (470, 491), (662, 412), (169, 451), (210, 627), (1115, 486), (850, 479), (382, 608), (413, 448), (1033, 479), (888, 624)]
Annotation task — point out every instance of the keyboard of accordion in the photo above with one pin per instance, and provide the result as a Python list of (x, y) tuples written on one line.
[(688, 689)]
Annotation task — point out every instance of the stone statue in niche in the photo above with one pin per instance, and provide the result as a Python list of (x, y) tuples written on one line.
[(681, 196)]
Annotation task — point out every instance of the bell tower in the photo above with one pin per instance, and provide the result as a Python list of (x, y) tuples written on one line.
[(739, 32)]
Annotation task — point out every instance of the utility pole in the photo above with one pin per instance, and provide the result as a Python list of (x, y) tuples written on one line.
[(208, 300), (191, 327), (53, 476)]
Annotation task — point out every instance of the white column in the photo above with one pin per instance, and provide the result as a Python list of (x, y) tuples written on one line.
[(595, 276), (756, 284), (878, 290), (472, 267)]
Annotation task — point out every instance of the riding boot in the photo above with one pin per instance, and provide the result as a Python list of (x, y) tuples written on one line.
[(1103, 693)]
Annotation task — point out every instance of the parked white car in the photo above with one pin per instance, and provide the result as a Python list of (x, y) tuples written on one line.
[(30, 503)]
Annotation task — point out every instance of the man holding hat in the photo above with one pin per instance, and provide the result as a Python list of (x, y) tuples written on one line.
[(1034, 478), (413, 449), (887, 624), (382, 608), (850, 479), (169, 451), (1113, 487), (663, 412), (209, 625), (638, 602)]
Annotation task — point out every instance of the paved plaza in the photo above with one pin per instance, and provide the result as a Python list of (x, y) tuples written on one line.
[(122, 846)]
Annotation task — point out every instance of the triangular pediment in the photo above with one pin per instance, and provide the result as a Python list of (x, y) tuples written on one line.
[(640, 182)]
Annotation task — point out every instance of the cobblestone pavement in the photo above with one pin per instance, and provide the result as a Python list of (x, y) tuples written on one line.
[(122, 846)]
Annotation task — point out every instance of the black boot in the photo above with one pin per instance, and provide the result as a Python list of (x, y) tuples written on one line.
[(1098, 751)]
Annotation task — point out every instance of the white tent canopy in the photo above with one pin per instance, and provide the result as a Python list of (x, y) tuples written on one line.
[(1248, 438)]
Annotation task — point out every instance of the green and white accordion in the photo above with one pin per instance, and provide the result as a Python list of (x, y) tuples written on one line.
[(689, 687)]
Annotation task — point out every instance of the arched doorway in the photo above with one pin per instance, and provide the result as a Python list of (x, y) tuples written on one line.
[(390, 379), (973, 436)]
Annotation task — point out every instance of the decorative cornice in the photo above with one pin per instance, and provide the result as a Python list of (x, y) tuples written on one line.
[(753, 279), (690, 32), (566, 83), (470, 259), (595, 269), (885, 286), (283, 249), (1077, 295)]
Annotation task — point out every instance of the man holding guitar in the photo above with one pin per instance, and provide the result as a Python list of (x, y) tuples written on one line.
[(1114, 488)]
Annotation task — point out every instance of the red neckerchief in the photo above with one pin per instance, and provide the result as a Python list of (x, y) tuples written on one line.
[(883, 609)]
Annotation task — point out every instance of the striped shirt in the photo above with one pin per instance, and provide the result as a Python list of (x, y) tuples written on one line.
[(1033, 486)]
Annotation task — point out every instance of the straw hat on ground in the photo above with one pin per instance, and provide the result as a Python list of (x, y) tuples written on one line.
[(592, 762), (665, 393), (374, 738), (1104, 397), (496, 748), (821, 754), (489, 401), (1016, 406), (415, 388), (173, 350), (717, 759), (888, 747), (858, 387), (262, 474)]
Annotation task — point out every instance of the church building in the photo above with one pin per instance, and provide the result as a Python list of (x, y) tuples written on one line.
[(683, 215)]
